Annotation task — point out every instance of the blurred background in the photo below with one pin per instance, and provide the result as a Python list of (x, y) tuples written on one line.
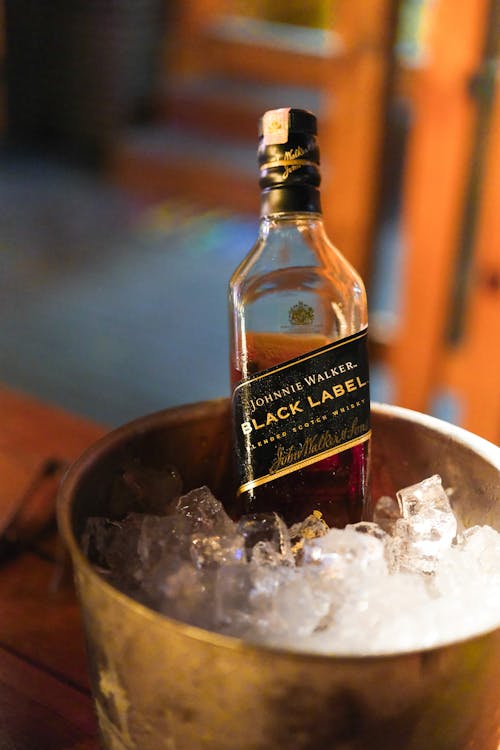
[(128, 190)]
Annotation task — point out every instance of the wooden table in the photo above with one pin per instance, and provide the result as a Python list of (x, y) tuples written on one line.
[(45, 701)]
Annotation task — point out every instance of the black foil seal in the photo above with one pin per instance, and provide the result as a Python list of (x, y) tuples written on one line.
[(288, 158)]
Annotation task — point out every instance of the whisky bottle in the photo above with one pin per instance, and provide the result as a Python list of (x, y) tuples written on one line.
[(298, 346)]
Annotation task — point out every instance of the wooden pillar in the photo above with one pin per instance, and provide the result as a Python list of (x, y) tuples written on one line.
[(472, 369), (355, 108), (436, 174)]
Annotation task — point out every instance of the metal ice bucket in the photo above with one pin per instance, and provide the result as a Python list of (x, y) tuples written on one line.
[(162, 685)]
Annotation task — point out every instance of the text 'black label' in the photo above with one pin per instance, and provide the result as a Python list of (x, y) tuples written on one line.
[(302, 411)]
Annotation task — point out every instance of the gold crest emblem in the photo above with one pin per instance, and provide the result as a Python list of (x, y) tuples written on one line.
[(301, 314)]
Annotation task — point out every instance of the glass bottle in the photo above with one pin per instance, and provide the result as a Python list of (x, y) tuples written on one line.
[(299, 365)]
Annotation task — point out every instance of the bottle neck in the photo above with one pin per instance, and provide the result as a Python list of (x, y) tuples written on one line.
[(294, 225), (290, 199)]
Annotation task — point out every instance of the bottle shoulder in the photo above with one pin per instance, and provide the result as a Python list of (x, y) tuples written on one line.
[(292, 243), (295, 245)]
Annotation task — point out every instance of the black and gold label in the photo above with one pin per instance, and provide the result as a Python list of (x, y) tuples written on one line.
[(302, 411)]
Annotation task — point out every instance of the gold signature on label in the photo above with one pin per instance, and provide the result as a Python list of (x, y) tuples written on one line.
[(290, 160)]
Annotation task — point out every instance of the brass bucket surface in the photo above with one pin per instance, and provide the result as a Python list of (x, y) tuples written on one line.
[(160, 684)]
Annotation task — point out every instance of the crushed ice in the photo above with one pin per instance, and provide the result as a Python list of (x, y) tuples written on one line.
[(407, 580)]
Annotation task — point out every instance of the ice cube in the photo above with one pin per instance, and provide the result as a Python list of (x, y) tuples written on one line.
[(426, 504), (370, 528), (232, 598), (376, 615), (386, 513), (428, 525), (168, 549), (204, 513), (266, 553), (343, 565), (188, 594), (96, 537), (269, 528), (144, 489), (115, 547), (113, 544), (198, 531), (216, 550), (482, 543), (161, 537), (284, 606), (344, 550)]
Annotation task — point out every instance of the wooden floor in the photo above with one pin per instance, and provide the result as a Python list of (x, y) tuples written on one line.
[(45, 701)]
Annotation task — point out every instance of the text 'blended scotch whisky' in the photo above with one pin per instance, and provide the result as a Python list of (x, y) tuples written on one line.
[(298, 339)]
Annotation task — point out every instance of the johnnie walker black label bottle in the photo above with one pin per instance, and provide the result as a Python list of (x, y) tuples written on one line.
[(298, 343)]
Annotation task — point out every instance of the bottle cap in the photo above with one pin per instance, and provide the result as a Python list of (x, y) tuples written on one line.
[(275, 125), (288, 158)]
